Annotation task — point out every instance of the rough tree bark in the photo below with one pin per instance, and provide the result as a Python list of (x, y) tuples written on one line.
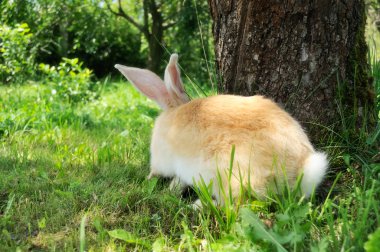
[(307, 55)]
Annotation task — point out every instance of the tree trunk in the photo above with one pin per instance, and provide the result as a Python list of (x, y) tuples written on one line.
[(155, 56), (309, 56), (155, 39), (64, 34), (152, 28)]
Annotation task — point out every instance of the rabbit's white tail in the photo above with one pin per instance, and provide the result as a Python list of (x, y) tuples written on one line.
[(314, 171)]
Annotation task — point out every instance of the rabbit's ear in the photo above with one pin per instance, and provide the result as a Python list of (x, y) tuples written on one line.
[(173, 81), (147, 83)]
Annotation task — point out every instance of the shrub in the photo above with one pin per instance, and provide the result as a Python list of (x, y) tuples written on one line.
[(70, 81), (17, 60)]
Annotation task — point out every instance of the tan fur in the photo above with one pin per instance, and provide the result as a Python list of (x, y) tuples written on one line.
[(193, 140), (266, 137)]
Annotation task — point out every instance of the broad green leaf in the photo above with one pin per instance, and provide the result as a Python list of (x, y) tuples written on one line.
[(322, 246), (128, 237), (301, 212), (257, 205), (42, 223), (248, 217), (151, 185), (158, 245), (373, 243)]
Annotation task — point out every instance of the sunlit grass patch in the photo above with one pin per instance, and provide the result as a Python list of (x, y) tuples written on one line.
[(74, 177), (60, 162)]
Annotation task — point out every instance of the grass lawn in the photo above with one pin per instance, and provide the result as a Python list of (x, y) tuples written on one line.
[(73, 178)]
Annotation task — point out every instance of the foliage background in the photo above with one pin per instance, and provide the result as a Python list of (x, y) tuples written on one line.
[(89, 31)]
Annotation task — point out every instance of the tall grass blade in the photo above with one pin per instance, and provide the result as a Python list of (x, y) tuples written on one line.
[(82, 234)]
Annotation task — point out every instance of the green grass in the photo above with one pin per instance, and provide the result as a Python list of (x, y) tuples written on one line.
[(73, 178), (59, 163)]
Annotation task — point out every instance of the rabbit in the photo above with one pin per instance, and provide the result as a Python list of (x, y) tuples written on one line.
[(192, 140)]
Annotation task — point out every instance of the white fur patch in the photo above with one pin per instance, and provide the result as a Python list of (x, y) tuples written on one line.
[(314, 171)]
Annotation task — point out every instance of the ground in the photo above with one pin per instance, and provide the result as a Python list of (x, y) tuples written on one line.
[(73, 177)]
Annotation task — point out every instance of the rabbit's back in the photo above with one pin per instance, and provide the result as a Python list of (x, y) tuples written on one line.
[(216, 123), (203, 132)]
